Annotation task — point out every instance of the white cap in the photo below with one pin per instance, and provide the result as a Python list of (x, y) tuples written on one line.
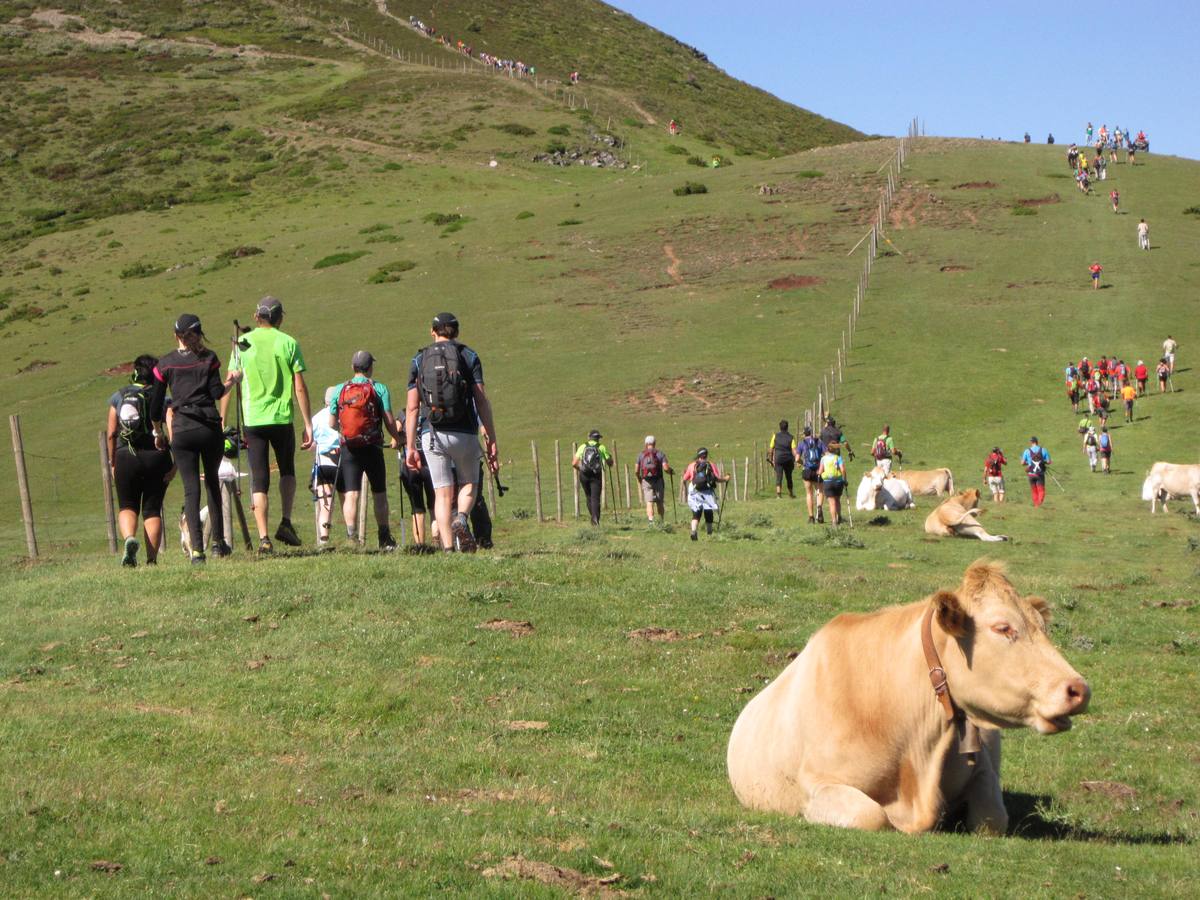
[(649, 439)]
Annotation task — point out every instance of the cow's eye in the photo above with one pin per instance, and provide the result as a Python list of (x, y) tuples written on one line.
[(1004, 630)]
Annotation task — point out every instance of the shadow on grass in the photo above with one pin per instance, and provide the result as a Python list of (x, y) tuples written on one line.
[(1031, 816)]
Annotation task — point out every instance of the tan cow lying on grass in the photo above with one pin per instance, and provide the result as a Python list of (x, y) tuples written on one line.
[(1172, 481), (925, 483), (853, 734), (956, 518)]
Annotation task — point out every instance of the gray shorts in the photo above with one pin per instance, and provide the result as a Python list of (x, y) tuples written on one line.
[(452, 457), (652, 490)]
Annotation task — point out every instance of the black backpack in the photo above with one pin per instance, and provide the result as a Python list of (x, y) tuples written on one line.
[(442, 385), (592, 461), (703, 477), (133, 415), (1037, 462)]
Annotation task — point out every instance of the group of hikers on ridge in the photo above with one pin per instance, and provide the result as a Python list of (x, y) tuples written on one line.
[(1110, 377), (174, 416)]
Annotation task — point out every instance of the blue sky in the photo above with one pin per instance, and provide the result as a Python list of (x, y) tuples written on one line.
[(968, 69)]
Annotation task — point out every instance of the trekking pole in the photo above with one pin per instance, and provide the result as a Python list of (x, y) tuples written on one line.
[(237, 459), (1056, 481), (612, 494), (674, 508), (721, 507)]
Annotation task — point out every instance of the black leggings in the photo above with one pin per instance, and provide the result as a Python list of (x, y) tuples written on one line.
[(190, 447), (593, 489), (281, 439), (784, 469), (141, 479), (708, 515)]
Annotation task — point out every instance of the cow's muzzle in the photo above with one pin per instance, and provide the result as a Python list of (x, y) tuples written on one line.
[(1070, 699)]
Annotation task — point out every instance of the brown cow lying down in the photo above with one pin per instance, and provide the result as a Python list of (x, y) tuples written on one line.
[(928, 482), (852, 733), (956, 518)]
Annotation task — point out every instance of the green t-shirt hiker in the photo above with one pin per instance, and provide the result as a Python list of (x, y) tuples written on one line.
[(269, 361)]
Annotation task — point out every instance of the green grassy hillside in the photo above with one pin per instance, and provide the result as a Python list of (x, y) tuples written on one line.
[(342, 725)]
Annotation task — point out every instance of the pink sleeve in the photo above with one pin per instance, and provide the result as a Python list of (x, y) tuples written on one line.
[(158, 375)]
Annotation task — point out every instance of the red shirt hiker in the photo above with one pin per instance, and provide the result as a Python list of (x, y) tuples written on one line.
[(1096, 269)]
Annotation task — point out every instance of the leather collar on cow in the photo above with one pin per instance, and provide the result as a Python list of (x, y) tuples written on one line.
[(968, 732)]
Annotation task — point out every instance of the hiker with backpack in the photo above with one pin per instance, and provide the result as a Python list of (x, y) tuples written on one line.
[(993, 473), (272, 370), (702, 477), (589, 462), (833, 436), (651, 464), (327, 477), (833, 481), (1140, 374), (448, 401), (1036, 460), (361, 411), (781, 454), (1091, 447), (192, 425), (884, 449), (809, 451), (140, 470), (1129, 394), (1106, 449)]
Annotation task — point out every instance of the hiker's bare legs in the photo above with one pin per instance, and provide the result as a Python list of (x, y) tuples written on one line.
[(127, 523), (152, 530), (259, 502), (443, 503), (350, 512), (324, 507)]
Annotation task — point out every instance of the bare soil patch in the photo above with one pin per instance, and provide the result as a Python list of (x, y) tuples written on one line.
[(571, 880), (969, 185), (527, 725), (122, 369), (653, 633), (789, 282), (37, 365), (516, 629), (697, 393), (1040, 201), (955, 269), (1114, 790)]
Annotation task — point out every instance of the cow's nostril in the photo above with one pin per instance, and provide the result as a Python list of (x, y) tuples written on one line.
[(1078, 693)]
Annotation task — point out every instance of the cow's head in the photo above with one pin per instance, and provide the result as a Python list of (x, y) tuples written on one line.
[(1001, 667), (968, 499)]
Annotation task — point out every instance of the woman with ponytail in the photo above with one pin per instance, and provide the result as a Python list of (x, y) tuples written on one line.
[(192, 374)]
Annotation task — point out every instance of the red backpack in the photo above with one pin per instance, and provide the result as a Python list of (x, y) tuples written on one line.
[(359, 414)]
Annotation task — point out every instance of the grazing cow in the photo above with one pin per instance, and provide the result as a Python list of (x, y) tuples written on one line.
[(956, 518), (1169, 481), (853, 734), (878, 492), (929, 482)]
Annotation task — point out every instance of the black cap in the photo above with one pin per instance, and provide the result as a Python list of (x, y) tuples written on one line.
[(362, 360), (995, 449), (808, 429), (1033, 440), (829, 419), (445, 318), (269, 308), (594, 435), (703, 451), (188, 323)]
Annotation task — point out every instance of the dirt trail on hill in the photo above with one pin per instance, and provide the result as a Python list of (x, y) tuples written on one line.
[(673, 264), (650, 120)]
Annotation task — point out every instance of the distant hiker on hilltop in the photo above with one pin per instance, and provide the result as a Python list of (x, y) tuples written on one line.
[(884, 449), (1095, 268), (590, 460), (1169, 347), (1141, 373), (781, 454)]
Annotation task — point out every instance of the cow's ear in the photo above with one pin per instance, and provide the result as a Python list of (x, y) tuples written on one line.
[(1043, 609), (951, 615)]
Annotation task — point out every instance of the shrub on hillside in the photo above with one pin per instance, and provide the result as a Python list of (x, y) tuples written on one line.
[(39, 214), (337, 259), (140, 269), (556, 147), (391, 272), (695, 161), (1192, 211), (1024, 211), (371, 229), (571, 222), (524, 214), (562, 130), (677, 149), (440, 219), (690, 187), (809, 173), (516, 128)]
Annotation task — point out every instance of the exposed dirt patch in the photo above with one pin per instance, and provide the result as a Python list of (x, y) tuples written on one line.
[(516, 629), (122, 369), (1114, 790), (1169, 604), (790, 282), (571, 880), (527, 725), (654, 633), (37, 365), (955, 269), (975, 185), (672, 263), (697, 394), (489, 795), (1040, 201)]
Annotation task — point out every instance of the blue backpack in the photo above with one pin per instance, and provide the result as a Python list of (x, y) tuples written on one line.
[(810, 456)]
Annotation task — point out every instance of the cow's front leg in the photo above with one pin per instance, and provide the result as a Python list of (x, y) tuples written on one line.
[(846, 807), (985, 801)]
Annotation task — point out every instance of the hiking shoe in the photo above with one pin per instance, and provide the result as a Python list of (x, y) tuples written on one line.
[(387, 543), (820, 518), (811, 520), (695, 537), (323, 545), (198, 558), (485, 544), (152, 561), (220, 549), (286, 533), (129, 560), (265, 546), (462, 534)]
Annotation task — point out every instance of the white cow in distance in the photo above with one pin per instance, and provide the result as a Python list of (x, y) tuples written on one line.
[(1171, 481), (877, 491)]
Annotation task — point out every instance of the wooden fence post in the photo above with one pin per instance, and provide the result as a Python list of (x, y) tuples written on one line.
[(537, 481), (628, 498), (558, 506), (732, 473), (757, 470), (110, 521), (574, 477), (491, 489), (745, 476), (14, 425)]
